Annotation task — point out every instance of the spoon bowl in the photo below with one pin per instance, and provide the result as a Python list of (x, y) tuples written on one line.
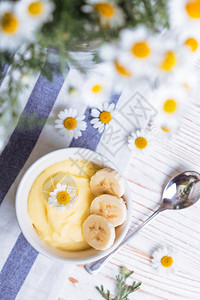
[(182, 191)]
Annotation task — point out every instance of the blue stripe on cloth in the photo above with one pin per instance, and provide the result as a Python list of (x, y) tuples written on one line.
[(23, 139), (10, 282), (16, 268), (93, 134), (12, 160)]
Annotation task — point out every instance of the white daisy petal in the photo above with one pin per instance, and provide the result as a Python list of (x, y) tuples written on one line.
[(59, 126), (111, 107), (101, 128), (95, 112), (94, 121), (74, 113), (59, 121), (97, 125), (62, 115), (80, 118), (105, 106)]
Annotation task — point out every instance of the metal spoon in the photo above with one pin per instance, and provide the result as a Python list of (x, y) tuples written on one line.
[(182, 191)]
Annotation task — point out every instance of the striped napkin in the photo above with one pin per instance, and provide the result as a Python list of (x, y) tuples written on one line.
[(25, 274)]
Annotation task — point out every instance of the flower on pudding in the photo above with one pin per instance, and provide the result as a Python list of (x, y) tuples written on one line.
[(164, 260), (108, 13), (96, 90), (102, 116), (185, 14), (70, 124), (37, 12), (139, 141), (12, 30), (63, 197)]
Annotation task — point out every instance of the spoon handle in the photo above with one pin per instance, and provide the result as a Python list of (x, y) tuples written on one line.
[(95, 266)]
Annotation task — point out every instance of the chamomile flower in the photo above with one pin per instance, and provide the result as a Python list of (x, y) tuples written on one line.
[(189, 83), (37, 12), (108, 13), (185, 14), (63, 197), (96, 90), (164, 131), (139, 141), (169, 101), (191, 41), (173, 56), (70, 124), (165, 260), (102, 116), (13, 31), (138, 50), (122, 74)]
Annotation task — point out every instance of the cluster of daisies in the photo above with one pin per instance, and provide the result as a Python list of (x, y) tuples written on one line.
[(20, 20), (167, 60)]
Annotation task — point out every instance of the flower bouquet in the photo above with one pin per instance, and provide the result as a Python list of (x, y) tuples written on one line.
[(155, 41)]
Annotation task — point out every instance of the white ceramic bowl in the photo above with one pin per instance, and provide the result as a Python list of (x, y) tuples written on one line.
[(26, 224)]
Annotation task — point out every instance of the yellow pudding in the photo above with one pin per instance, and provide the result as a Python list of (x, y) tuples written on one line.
[(62, 229)]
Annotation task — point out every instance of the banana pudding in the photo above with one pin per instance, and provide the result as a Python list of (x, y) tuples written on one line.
[(65, 212), (59, 202)]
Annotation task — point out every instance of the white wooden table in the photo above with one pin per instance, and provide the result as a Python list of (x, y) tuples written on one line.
[(147, 177)]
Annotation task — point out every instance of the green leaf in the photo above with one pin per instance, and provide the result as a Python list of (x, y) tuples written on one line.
[(123, 290)]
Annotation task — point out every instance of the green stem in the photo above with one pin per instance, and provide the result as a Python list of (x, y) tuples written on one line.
[(147, 5)]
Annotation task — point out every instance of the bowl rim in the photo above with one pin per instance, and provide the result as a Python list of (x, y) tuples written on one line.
[(34, 243)]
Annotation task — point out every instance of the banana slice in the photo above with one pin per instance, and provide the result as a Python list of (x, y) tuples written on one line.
[(110, 207), (107, 181), (98, 232)]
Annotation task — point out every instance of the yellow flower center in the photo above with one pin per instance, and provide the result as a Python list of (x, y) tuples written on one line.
[(35, 8), (105, 117), (96, 88), (165, 129), (63, 197), (70, 123), (141, 49), (192, 44), (122, 70), (170, 106), (168, 62), (141, 143), (166, 261), (105, 9), (9, 23), (193, 9)]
